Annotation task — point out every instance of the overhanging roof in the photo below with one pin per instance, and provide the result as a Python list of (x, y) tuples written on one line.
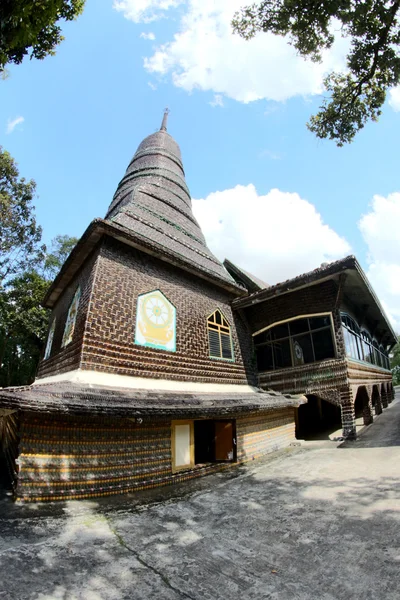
[(99, 228), (66, 397), (357, 289), (252, 283)]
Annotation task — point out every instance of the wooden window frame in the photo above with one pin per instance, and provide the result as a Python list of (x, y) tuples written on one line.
[(220, 329), (177, 469), (291, 337)]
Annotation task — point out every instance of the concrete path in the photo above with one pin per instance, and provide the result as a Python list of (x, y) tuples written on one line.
[(319, 522)]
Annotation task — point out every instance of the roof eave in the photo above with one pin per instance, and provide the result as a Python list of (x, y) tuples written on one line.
[(321, 275), (90, 239)]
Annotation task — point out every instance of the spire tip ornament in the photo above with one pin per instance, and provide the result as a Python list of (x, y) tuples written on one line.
[(165, 119)]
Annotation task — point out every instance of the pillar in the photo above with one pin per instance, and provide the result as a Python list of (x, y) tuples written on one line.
[(367, 409), (348, 415), (378, 404), (384, 396)]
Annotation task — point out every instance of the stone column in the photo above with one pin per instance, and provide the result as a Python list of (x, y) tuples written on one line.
[(390, 395), (348, 415), (367, 409), (378, 404), (384, 396)]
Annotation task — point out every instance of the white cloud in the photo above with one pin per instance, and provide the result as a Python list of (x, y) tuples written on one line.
[(270, 154), (204, 54), (276, 236), (218, 100), (144, 11), (147, 36), (380, 228), (13, 123), (394, 98)]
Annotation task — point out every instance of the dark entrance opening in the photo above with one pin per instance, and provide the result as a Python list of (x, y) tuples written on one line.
[(8, 452), (318, 419), (214, 441), (204, 450)]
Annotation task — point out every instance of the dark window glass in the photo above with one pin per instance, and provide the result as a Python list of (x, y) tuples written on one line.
[(264, 358), (263, 337), (280, 331), (282, 355), (213, 340), (218, 317), (226, 345), (318, 322), (298, 326), (323, 344), (360, 349), (305, 354), (347, 340)]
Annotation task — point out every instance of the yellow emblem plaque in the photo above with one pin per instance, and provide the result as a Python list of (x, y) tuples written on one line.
[(155, 322)]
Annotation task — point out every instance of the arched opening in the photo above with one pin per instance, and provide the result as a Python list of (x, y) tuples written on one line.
[(362, 408), (318, 419)]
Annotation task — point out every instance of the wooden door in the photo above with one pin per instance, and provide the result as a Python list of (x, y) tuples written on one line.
[(224, 444)]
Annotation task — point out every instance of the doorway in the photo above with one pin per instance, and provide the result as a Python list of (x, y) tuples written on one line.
[(214, 441)]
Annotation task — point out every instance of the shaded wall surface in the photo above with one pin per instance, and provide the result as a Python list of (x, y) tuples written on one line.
[(74, 457), (104, 339), (123, 274)]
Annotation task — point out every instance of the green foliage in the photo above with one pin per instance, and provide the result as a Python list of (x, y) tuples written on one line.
[(23, 326), (373, 61), (19, 234), (61, 247), (32, 27), (395, 363)]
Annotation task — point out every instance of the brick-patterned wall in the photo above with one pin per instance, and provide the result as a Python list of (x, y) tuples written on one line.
[(65, 457), (313, 299), (312, 378), (68, 358), (264, 433), (73, 457), (122, 275)]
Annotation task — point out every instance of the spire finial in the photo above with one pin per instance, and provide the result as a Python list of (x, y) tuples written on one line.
[(164, 121)]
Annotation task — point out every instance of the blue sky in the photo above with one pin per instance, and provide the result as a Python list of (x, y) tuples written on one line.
[(268, 194)]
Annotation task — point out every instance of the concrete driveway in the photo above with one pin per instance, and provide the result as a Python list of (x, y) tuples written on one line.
[(318, 522)]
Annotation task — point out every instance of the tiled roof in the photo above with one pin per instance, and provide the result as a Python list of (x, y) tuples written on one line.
[(253, 283), (325, 270), (153, 200), (77, 399)]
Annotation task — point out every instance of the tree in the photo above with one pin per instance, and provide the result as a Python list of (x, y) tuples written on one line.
[(32, 27), (61, 247), (395, 363), (373, 61), (19, 233), (23, 321), (23, 326)]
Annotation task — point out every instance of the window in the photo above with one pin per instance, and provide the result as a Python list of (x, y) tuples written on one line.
[(219, 336), (49, 343), (71, 319), (360, 345), (294, 343)]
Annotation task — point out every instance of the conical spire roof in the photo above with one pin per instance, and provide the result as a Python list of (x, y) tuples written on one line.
[(153, 200)]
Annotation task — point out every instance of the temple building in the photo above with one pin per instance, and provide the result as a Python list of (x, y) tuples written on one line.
[(163, 364)]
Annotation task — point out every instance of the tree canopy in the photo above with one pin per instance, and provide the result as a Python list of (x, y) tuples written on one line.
[(395, 363), (19, 233), (357, 94), (32, 27), (23, 321)]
